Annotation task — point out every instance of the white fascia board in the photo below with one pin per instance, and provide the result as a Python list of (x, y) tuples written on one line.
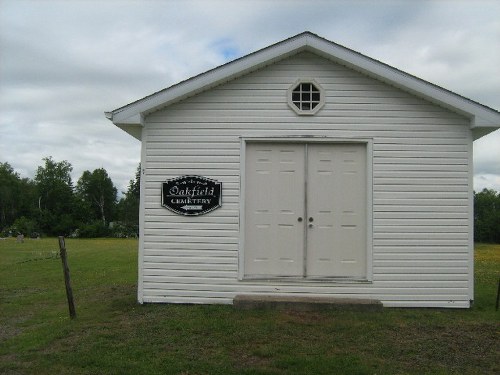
[(135, 119)]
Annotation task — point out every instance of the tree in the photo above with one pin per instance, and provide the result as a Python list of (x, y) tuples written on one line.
[(128, 207), (17, 196), (98, 192), (55, 197), (8, 186), (487, 216)]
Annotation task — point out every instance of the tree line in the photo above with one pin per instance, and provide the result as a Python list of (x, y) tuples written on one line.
[(50, 204), (487, 216)]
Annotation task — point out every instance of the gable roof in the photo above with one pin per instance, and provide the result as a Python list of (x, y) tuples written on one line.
[(130, 117)]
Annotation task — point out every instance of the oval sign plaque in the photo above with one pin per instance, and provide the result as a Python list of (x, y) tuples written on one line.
[(191, 195)]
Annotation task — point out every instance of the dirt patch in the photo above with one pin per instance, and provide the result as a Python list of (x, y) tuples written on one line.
[(8, 332), (455, 348)]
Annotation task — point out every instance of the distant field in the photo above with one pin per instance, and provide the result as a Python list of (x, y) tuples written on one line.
[(114, 335)]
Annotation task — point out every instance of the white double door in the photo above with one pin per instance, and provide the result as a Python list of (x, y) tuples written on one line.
[(305, 210)]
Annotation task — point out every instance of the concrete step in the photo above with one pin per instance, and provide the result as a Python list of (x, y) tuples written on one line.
[(248, 302)]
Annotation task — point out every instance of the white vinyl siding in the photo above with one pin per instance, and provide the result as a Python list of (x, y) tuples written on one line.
[(421, 166)]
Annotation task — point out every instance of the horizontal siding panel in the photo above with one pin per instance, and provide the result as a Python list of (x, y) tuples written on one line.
[(191, 266), (165, 245), (168, 216), (190, 239), (237, 120), (220, 166), (412, 181), (212, 233), (222, 160), (177, 252), (420, 270), (440, 155), (411, 250), (409, 241), (421, 202), (422, 174), (426, 196), (417, 256), (419, 215), (258, 103), (154, 213), (424, 223), (414, 229), (168, 151), (190, 225), (438, 141), (422, 167), (427, 209), (157, 145), (245, 97), (268, 110), (435, 278), (408, 236), (422, 161), (420, 263), (419, 188), (189, 259), (371, 127), (386, 149), (195, 274), (194, 170)]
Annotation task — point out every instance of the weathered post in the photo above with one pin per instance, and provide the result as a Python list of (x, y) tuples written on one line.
[(67, 281)]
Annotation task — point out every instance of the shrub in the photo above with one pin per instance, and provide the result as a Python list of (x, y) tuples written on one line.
[(94, 229)]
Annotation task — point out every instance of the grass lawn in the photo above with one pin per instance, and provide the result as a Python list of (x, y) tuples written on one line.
[(114, 335)]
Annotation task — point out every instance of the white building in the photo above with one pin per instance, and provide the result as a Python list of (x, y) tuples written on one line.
[(341, 176)]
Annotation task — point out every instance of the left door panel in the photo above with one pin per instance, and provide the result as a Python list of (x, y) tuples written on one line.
[(274, 210)]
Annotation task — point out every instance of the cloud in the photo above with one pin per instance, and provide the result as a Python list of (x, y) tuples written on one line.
[(62, 64)]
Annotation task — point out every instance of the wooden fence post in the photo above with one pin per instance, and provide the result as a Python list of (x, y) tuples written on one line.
[(67, 281)]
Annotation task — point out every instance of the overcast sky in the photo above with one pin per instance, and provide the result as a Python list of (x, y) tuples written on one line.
[(63, 63)]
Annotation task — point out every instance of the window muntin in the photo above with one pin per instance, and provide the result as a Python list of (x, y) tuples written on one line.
[(306, 97)]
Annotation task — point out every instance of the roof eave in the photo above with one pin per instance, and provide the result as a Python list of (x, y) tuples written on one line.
[(132, 125)]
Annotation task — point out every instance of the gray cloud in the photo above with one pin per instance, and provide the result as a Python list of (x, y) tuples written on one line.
[(62, 64)]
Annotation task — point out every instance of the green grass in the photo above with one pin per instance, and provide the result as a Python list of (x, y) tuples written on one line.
[(114, 335)]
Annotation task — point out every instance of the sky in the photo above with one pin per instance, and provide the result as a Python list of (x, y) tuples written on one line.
[(64, 63)]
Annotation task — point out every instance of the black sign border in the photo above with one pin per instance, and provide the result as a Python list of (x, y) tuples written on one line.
[(219, 204)]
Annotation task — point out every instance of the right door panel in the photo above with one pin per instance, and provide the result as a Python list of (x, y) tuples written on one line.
[(336, 210)]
